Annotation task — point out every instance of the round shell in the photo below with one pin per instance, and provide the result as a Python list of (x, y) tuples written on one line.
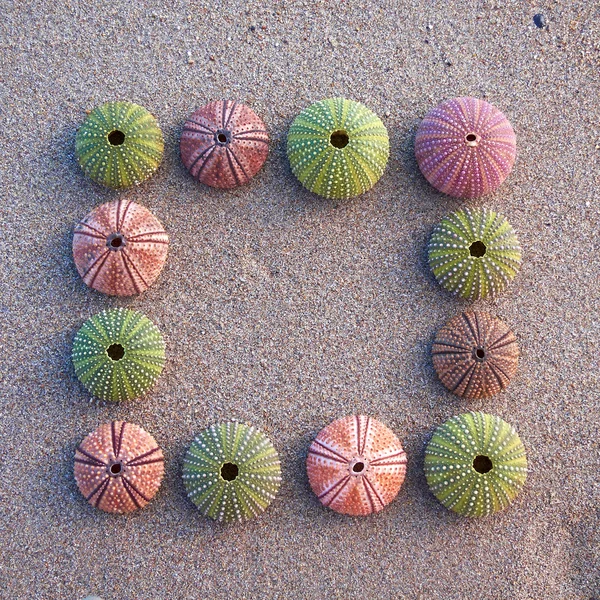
[(224, 144), (231, 472), (465, 147), (475, 355), (474, 253), (356, 465), (475, 464), (338, 148), (120, 248), (119, 467), (118, 354), (119, 144)]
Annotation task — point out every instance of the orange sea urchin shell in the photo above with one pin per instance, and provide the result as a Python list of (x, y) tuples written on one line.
[(475, 355), (356, 465), (119, 467), (465, 147), (224, 144), (120, 248)]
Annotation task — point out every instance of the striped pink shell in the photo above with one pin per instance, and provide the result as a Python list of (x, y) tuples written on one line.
[(356, 465), (465, 147), (120, 248), (224, 144)]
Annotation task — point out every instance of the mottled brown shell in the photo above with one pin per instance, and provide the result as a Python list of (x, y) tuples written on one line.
[(119, 467), (475, 355), (224, 144), (120, 248), (356, 465)]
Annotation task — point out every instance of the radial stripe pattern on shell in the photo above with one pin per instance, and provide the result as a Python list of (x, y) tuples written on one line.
[(118, 354), (338, 148), (465, 147), (120, 248), (356, 465), (475, 355), (475, 464), (119, 144), (231, 472), (474, 253)]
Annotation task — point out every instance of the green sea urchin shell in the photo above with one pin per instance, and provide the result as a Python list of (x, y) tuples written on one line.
[(231, 472), (119, 144), (474, 253), (338, 148), (475, 464), (118, 354)]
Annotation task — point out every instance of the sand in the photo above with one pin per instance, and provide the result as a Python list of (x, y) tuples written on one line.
[(286, 311)]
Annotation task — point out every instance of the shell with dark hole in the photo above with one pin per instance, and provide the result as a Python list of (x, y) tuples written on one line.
[(356, 465), (465, 147), (224, 144), (119, 467), (475, 355), (120, 248)]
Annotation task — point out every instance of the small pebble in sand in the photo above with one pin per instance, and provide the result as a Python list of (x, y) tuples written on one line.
[(540, 20)]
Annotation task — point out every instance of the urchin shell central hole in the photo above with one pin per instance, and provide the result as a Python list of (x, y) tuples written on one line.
[(480, 353), (116, 240), (222, 138), (482, 464), (115, 351), (477, 249), (229, 471), (115, 468), (116, 138), (358, 467), (471, 137), (339, 139)]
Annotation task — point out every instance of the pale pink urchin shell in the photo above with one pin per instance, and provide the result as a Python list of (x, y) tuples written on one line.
[(120, 248), (465, 147), (224, 144), (356, 465)]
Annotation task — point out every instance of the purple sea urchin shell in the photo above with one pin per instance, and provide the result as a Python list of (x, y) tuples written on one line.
[(224, 144), (465, 147)]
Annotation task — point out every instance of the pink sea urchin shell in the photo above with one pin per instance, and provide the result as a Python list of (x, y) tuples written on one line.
[(120, 248), (224, 144), (356, 465), (465, 147)]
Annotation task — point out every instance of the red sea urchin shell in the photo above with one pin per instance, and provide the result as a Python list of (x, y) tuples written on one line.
[(356, 465), (224, 144), (465, 147), (119, 467), (120, 248)]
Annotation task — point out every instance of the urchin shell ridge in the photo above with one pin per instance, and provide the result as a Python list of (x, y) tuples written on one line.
[(475, 355), (118, 467), (474, 253), (129, 159), (356, 465), (338, 172), (475, 464), (465, 147), (253, 486), (118, 354)]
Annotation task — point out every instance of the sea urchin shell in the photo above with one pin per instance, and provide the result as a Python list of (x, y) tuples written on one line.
[(356, 465), (119, 467), (119, 144), (475, 355), (475, 464), (120, 248), (474, 253), (224, 144), (118, 354), (231, 472), (465, 147), (338, 148)]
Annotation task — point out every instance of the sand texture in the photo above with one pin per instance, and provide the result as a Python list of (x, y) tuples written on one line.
[(286, 311)]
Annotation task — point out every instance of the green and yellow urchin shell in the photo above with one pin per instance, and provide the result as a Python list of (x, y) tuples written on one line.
[(119, 144), (338, 148), (231, 472), (118, 354), (475, 464), (474, 253)]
